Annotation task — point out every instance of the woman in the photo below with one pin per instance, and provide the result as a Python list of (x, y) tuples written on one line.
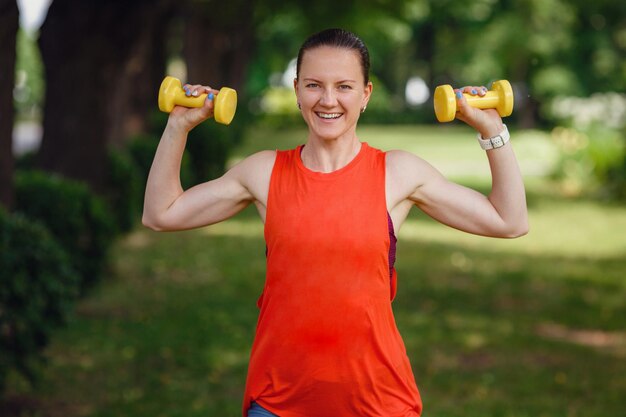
[(326, 342)]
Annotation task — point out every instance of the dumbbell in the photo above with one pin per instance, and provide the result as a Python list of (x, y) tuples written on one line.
[(171, 94), (500, 97)]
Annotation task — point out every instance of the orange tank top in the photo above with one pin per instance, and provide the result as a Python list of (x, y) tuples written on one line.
[(326, 342)]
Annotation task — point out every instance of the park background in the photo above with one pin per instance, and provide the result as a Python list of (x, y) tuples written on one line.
[(102, 317)]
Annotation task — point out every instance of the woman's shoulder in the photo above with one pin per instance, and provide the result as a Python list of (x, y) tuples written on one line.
[(400, 157), (255, 163), (403, 164)]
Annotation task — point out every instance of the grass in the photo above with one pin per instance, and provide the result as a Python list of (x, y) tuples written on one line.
[(527, 327)]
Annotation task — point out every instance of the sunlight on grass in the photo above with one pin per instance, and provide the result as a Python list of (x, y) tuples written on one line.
[(555, 230), (237, 227)]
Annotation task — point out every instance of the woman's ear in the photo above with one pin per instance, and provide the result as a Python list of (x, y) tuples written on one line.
[(368, 93)]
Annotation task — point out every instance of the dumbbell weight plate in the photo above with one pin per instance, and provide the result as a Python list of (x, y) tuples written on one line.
[(445, 103), (505, 93), (225, 105)]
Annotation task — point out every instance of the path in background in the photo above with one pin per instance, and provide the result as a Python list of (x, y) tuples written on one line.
[(26, 137)]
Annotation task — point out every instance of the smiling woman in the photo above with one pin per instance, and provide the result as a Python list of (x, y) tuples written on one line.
[(331, 99), (332, 88), (326, 342)]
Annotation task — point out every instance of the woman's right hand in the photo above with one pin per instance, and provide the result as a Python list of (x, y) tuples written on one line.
[(187, 118)]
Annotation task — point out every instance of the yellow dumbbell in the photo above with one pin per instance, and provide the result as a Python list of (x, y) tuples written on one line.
[(171, 94), (500, 97)]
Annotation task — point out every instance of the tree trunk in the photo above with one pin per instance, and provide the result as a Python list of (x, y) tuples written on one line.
[(136, 91), (219, 42), (90, 53), (9, 24)]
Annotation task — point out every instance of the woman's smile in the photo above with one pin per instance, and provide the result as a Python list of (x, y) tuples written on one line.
[(329, 116)]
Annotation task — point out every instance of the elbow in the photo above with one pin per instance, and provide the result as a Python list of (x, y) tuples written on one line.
[(521, 229), (151, 223), (518, 233)]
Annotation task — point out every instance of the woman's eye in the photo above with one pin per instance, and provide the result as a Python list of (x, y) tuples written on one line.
[(311, 85), (344, 87)]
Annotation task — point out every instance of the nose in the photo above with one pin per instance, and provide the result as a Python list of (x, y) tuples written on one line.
[(328, 98)]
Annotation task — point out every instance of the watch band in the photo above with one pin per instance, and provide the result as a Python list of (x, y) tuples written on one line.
[(495, 142)]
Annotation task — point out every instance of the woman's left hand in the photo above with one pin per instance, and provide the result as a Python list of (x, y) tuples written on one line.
[(487, 122)]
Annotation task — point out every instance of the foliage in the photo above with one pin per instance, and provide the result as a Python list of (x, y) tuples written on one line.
[(37, 289), (592, 142), (77, 218), (589, 159), (605, 109), (142, 149), (550, 48), (616, 184), (29, 82), (542, 47), (123, 192), (209, 145), (206, 152)]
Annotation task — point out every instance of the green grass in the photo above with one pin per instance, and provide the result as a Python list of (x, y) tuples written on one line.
[(527, 327)]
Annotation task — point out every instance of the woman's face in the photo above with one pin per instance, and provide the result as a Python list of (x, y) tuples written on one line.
[(331, 91)]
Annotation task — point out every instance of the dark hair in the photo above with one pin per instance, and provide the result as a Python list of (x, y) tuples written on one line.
[(338, 38)]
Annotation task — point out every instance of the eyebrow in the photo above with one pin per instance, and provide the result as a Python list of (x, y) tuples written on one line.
[(338, 82)]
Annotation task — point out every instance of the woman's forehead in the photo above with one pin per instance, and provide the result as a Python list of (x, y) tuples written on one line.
[(327, 60)]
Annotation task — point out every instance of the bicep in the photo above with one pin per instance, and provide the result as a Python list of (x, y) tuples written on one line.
[(452, 204), (457, 206), (222, 198), (205, 204), (208, 203)]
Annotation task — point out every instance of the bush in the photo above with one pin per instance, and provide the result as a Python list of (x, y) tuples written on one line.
[(591, 160), (206, 153), (142, 149), (37, 289), (75, 217), (123, 190), (209, 145)]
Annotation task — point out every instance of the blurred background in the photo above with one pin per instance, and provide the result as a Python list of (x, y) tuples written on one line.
[(99, 316)]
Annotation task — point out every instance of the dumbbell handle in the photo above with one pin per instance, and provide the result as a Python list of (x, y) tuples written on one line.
[(489, 101), (191, 101)]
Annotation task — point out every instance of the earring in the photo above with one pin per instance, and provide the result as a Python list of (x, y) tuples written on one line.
[(299, 106), (363, 109)]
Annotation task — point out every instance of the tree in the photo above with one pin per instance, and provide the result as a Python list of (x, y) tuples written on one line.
[(95, 55), (9, 24), (218, 41)]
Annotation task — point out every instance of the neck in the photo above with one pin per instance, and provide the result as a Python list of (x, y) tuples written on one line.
[(329, 155)]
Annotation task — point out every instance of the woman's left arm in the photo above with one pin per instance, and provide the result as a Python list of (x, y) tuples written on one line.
[(503, 212)]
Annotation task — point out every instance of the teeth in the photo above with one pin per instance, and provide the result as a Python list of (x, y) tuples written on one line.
[(329, 115)]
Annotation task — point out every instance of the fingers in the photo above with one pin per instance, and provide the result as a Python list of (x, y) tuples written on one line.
[(473, 90), (197, 89), (482, 120), (192, 116), (462, 104)]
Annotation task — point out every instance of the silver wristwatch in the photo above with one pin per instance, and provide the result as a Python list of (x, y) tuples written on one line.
[(495, 142)]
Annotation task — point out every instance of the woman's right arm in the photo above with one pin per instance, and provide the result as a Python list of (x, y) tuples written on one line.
[(167, 207)]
